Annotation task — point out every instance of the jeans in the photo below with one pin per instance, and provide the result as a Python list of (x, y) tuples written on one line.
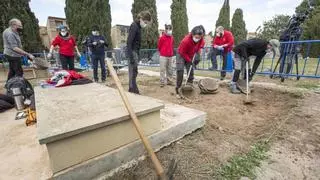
[(133, 73), (15, 66), (96, 60), (180, 65), (165, 69), (216, 52)]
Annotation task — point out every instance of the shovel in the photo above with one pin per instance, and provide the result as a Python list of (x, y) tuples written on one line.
[(248, 100)]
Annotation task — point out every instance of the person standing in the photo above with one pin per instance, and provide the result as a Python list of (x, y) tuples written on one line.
[(67, 44), (13, 48), (189, 46), (222, 43), (97, 44), (242, 52), (165, 47), (133, 47)]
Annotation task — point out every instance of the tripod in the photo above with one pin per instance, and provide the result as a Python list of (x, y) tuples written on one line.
[(288, 55)]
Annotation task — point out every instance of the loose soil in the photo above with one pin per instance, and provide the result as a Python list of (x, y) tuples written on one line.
[(231, 128)]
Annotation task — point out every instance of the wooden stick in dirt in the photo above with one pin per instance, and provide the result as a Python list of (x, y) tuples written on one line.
[(137, 125)]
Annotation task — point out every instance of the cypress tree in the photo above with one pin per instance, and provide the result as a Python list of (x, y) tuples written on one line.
[(224, 16), (150, 34), (238, 26), (179, 20), (83, 14), (20, 9)]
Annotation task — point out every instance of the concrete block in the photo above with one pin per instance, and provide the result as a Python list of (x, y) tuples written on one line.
[(92, 120), (176, 122)]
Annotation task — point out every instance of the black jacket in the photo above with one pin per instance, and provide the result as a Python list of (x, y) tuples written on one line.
[(252, 47), (134, 39)]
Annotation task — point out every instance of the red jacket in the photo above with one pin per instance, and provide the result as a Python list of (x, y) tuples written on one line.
[(227, 38), (66, 47), (188, 48), (165, 45)]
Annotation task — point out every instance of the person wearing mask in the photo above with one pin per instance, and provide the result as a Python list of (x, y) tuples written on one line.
[(13, 48), (242, 52), (67, 44), (97, 44), (165, 48), (189, 46), (133, 46), (222, 43)]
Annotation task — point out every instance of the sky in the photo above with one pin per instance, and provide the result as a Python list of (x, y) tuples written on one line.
[(203, 12)]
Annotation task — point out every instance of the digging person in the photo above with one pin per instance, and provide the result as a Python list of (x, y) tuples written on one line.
[(133, 47), (242, 52), (189, 46)]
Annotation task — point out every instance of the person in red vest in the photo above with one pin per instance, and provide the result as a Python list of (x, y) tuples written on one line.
[(67, 45), (222, 43), (165, 47), (188, 48)]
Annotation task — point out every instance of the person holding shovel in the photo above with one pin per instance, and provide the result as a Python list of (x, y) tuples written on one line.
[(242, 52), (189, 46), (133, 47)]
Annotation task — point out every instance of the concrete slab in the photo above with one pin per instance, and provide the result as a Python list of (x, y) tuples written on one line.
[(64, 112), (89, 118), (176, 122)]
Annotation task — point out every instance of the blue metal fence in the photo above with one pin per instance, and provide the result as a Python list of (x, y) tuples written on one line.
[(295, 60)]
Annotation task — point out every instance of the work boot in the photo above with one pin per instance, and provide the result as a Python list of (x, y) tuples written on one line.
[(179, 94), (234, 89)]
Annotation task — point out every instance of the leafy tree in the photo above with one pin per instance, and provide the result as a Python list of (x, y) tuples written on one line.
[(311, 28), (83, 14), (150, 34), (238, 26), (224, 16), (20, 9), (179, 20), (273, 28)]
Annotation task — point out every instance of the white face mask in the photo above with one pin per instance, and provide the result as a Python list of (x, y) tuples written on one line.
[(142, 23), (95, 33), (169, 32), (64, 33), (195, 39)]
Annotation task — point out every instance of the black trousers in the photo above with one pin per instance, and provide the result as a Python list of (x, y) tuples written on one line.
[(96, 60), (67, 62), (15, 66), (133, 73), (216, 52), (180, 65)]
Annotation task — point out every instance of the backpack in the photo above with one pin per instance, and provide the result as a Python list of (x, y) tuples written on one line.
[(19, 82)]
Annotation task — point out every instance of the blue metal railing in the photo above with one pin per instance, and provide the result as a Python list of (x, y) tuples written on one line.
[(294, 62)]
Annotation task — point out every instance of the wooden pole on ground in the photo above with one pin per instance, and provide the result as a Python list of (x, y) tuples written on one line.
[(137, 125)]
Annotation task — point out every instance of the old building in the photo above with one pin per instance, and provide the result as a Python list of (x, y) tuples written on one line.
[(119, 35), (251, 35)]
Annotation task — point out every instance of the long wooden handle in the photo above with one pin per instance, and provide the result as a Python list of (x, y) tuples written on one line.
[(136, 122)]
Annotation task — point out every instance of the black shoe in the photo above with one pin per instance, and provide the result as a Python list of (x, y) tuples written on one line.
[(96, 81), (222, 78)]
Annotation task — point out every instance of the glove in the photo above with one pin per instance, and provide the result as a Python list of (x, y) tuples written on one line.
[(49, 56), (94, 43), (101, 41)]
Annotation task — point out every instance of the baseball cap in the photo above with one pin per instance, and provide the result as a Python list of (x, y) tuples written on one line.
[(275, 46)]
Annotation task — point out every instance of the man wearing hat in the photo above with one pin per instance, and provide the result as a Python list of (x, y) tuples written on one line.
[(252, 47), (97, 44)]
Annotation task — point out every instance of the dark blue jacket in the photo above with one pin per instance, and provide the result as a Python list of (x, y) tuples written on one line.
[(99, 48)]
